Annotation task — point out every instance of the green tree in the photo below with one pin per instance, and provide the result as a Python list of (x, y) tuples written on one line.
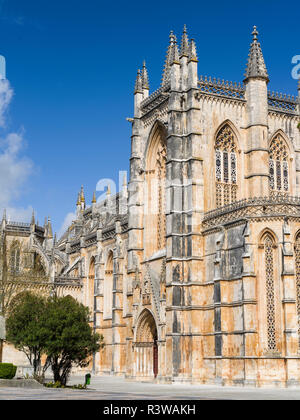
[(24, 327), (20, 270), (68, 337)]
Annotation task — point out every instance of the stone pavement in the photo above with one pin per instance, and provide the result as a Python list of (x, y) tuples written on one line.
[(115, 388), (142, 390)]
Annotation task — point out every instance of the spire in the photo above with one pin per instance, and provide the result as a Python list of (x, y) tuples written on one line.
[(138, 83), (82, 198), (49, 231), (32, 218), (184, 48), (46, 228), (3, 224), (145, 77), (193, 51), (78, 200), (94, 201), (174, 52), (172, 56), (256, 65)]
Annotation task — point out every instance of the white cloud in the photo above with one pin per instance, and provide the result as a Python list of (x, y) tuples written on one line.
[(6, 94), (19, 214), (66, 223), (15, 169)]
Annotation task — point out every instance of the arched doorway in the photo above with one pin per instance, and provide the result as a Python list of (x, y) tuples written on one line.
[(145, 347)]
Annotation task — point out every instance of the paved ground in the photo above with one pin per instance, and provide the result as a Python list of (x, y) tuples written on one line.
[(114, 388)]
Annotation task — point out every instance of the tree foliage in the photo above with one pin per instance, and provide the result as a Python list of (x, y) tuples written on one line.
[(57, 327), (69, 339), (24, 327)]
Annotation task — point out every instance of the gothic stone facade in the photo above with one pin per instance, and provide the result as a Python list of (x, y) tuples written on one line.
[(33, 262), (192, 271)]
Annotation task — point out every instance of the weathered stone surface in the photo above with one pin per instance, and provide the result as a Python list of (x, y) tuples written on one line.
[(191, 272)]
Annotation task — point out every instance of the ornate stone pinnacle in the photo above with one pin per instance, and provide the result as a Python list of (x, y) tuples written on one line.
[(145, 77), (49, 230), (172, 56), (82, 198), (192, 51), (32, 218), (255, 33), (138, 83), (172, 38), (256, 65), (174, 51), (184, 49)]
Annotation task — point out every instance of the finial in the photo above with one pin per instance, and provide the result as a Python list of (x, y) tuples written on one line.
[(172, 56), (82, 199), (256, 67), (184, 49), (255, 33), (174, 51), (145, 78), (4, 216), (192, 51), (94, 201), (172, 37), (138, 83), (32, 218)]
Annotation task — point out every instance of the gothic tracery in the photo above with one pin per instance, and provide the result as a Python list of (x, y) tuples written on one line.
[(161, 222), (278, 166), (270, 296), (226, 167)]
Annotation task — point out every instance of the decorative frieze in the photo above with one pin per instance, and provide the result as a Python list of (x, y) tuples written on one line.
[(257, 207)]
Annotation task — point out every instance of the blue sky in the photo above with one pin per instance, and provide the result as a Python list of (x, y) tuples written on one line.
[(72, 67)]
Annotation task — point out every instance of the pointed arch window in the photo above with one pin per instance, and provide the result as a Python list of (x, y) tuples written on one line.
[(155, 192), (226, 167), (161, 215), (269, 245), (278, 166), (108, 287), (15, 258)]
